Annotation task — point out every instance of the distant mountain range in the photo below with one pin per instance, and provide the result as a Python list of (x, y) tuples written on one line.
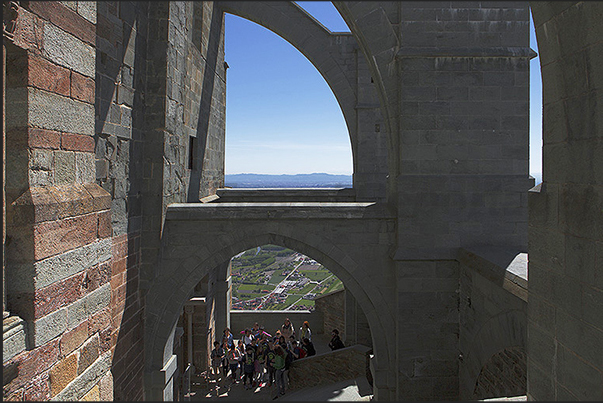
[(315, 180)]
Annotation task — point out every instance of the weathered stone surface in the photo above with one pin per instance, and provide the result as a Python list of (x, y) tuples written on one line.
[(54, 237), (87, 10), (48, 76), (13, 340), (69, 51), (73, 339), (88, 305), (48, 327), (99, 321), (41, 138), (106, 387), (85, 167), (62, 373), (323, 369), (64, 167), (93, 395), (62, 266), (435, 102), (55, 112), (39, 388), (82, 88), (77, 142), (87, 380), (58, 295), (89, 352)]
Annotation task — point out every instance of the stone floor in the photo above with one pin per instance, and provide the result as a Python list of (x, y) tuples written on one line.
[(347, 390)]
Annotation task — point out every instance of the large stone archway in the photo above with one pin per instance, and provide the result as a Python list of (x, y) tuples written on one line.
[(347, 72), (351, 240), (325, 50)]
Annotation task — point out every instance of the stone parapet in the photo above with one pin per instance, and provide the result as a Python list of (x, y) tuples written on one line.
[(328, 368), (273, 320), (286, 195), (288, 210)]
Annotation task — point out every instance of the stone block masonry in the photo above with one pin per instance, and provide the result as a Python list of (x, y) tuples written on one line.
[(116, 110), (59, 260)]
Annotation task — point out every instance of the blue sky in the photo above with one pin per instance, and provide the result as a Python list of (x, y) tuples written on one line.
[(281, 116)]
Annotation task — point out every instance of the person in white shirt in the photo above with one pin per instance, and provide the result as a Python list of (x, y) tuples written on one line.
[(305, 332)]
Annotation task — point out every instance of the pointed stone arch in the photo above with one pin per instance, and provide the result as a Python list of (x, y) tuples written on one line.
[(326, 51), (188, 253)]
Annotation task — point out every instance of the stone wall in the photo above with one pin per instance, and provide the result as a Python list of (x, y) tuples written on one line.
[(59, 258), (323, 369), (332, 308), (119, 134), (565, 324), (493, 330)]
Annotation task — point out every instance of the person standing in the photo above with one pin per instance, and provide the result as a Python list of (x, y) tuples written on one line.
[(217, 355), (287, 329), (269, 361), (241, 349), (279, 365), (233, 362), (225, 359), (247, 337), (335, 342), (248, 367), (309, 347), (305, 332), (228, 337)]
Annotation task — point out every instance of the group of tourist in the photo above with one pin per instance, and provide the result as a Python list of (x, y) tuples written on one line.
[(261, 358)]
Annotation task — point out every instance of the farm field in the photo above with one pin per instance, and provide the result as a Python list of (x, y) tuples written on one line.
[(272, 277)]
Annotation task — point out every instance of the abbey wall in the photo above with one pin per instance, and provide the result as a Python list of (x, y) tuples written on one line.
[(118, 230)]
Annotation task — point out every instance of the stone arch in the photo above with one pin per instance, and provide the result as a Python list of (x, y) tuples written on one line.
[(170, 290), (320, 46), (379, 44), (501, 332)]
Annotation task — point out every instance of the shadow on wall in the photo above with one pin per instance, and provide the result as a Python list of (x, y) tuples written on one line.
[(120, 85), (504, 375)]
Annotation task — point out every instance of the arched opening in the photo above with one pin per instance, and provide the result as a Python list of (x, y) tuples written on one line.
[(282, 118), (174, 290), (272, 277)]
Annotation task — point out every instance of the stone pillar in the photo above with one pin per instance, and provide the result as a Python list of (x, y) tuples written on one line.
[(189, 310), (223, 297), (349, 336)]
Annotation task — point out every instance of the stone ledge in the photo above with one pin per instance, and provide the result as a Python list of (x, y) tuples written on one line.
[(13, 337), (507, 267), (288, 194), (290, 210), (495, 51), (47, 203)]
